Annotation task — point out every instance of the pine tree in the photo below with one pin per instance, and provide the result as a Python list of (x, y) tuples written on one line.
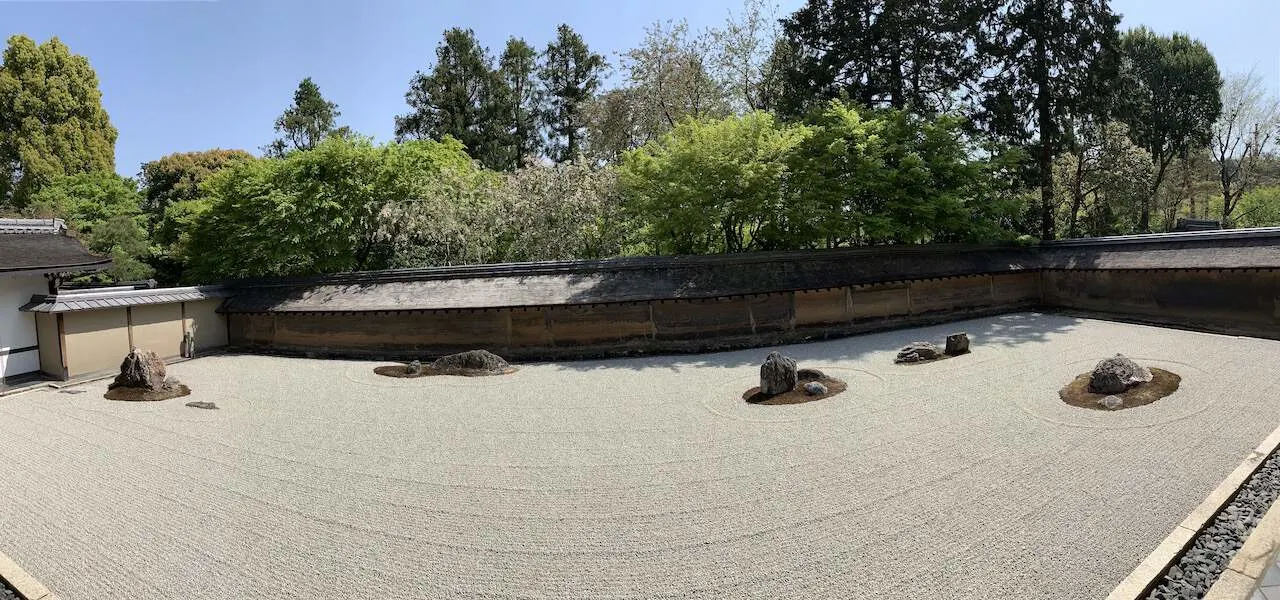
[(51, 119), (518, 71), (571, 75), (461, 98), (306, 123), (1053, 63)]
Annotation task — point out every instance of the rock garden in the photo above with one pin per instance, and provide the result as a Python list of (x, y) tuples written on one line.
[(1117, 383), (783, 382), (926, 352), (473, 363)]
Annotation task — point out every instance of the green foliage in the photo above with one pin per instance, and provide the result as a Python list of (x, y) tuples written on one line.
[(559, 212), (309, 120), (570, 75), (713, 186), (346, 205), (1104, 187), (892, 177), (1259, 208), (51, 119), (845, 178), (102, 209)]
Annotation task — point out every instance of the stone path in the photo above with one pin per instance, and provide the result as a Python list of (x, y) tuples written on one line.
[(639, 478)]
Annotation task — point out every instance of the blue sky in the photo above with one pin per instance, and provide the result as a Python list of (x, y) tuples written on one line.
[(192, 75)]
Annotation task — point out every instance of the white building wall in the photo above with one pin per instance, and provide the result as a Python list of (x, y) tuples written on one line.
[(17, 328)]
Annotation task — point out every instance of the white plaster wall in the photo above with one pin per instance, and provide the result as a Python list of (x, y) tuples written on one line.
[(18, 329)]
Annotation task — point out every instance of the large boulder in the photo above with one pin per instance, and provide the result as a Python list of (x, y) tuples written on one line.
[(471, 360), (141, 369), (777, 375), (1116, 374), (918, 352)]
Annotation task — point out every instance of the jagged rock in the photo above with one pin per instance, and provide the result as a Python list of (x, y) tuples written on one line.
[(814, 388), (917, 352), (471, 360), (1116, 374), (414, 368), (777, 374), (957, 344), (1111, 402), (141, 369), (810, 375)]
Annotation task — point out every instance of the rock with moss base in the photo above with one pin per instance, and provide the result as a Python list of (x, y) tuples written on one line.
[(777, 374), (1117, 374), (141, 369), (471, 360)]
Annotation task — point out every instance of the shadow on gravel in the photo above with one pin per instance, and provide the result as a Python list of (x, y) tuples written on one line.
[(1009, 330)]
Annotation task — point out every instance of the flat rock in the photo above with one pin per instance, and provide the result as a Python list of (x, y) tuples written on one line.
[(204, 405), (810, 375), (471, 360), (1111, 402), (918, 352)]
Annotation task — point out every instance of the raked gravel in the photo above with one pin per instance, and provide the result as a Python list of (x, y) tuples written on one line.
[(635, 478)]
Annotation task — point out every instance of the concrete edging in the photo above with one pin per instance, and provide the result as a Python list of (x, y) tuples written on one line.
[(1155, 564), (28, 587)]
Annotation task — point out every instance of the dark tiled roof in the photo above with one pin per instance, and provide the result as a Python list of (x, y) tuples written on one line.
[(46, 253), (75, 300)]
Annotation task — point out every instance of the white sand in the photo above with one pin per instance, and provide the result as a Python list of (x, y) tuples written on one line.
[(641, 478)]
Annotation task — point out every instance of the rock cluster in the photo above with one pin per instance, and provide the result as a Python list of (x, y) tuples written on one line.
[(1117, 374), (918, 352), (777, 374), (142, 369), (1199, 567), (471, 360)]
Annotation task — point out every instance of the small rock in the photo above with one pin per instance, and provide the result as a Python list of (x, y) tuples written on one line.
[(72, 391), (204, 405), (957, 344), (414, 368), (917, 352), (1111, 402), (1117, 374), (810, 375), (777, 374), (814, 388)]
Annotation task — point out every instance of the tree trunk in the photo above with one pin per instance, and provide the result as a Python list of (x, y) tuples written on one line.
[(1077, 199), (1044, 118)]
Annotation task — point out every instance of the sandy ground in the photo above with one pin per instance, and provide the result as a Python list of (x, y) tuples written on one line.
[(639, 478)]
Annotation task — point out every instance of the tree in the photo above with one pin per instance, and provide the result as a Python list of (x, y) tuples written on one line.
[(306, 123), (1053, 63), (888, 176), (51, 119), (571, 75), (1106, 183), (102, 209), (173, 201), (912, 55), (461, 98), (1242, 136), (670, 78), (518, 70), (615, 123), (1259, 208), (713, 186), (557, 212), (345, 205), (743, 56), (1169, 98)]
